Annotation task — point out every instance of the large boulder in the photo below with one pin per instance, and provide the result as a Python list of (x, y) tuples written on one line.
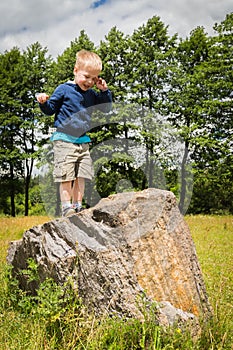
[(129, 246)]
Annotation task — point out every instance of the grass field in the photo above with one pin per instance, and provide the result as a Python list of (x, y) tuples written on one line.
[(213, 238)]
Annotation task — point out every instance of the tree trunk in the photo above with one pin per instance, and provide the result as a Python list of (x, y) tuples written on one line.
[(12, 190), (183, 179), (28, 169), (27, 183)]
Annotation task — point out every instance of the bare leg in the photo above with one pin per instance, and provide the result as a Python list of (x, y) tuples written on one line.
[(78, 190), (66, 195), (66, 191)]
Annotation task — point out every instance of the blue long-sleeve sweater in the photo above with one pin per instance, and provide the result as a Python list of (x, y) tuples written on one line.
[(72, 107)]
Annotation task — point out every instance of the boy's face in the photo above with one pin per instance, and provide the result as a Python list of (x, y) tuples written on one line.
[(86, 77)]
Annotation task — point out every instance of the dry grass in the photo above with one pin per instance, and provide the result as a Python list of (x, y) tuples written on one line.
[(12, 229)]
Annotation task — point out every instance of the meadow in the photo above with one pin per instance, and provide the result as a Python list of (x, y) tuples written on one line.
[(46, 324)]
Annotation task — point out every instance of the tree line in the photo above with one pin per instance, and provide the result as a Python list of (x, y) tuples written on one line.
[(170, 126)]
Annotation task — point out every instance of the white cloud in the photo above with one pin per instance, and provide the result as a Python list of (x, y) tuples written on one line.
[(56, 24)]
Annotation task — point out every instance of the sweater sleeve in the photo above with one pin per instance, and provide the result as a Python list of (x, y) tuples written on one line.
[(54, 103), (104, 101)]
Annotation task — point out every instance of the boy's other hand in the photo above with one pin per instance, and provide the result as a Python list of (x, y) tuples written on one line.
[(42, 97), (101, 84)]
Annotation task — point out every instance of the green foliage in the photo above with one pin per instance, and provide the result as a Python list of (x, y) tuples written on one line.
[(59, 313), (51, 301), (21, 76), (206, 198), (114, 53), (64, 67), (111, 173), (150, 56), (186, 82)]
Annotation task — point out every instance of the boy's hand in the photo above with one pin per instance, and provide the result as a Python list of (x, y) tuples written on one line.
[(42, 97), (101, 84)]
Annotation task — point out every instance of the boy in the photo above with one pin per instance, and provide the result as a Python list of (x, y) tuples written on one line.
[(69, 103)]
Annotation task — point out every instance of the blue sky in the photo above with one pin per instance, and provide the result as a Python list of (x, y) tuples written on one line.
[(98, 3), (56, 23)]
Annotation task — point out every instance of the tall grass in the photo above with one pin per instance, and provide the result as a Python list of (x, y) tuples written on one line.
[(44, 323), (213, 237)]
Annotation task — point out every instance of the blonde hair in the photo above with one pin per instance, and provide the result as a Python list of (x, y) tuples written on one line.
[(86, 58)]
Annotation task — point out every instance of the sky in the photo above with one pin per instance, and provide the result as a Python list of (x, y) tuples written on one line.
[(55, 23)]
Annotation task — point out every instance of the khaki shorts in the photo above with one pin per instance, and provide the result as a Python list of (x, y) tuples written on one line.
[(71, 160)]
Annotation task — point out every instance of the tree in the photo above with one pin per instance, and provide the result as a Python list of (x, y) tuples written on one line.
[(119, 174), (113, 51), (163, 90), (185, 96), (21, 76), (213, 144), (109, 129), (213, 187), (197, 98), (151, 51), (10, 122), (150, 56), (35, 69), (64, 66)]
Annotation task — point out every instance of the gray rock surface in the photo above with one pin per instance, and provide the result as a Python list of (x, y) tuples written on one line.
[(129, 245)]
